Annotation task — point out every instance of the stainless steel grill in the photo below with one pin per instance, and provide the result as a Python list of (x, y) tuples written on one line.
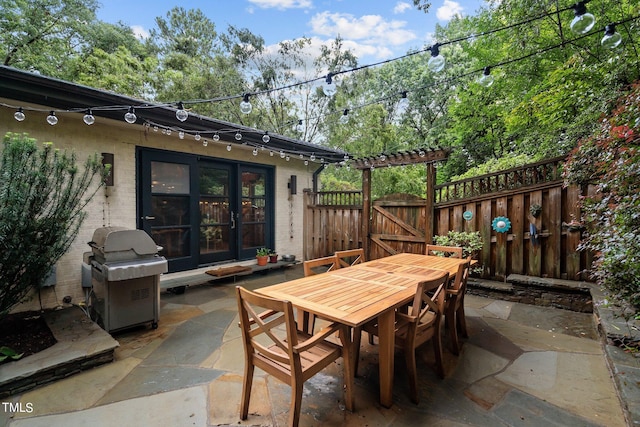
[(125, 277)]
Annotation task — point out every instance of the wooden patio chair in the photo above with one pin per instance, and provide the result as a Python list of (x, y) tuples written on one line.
[(315, 266), (447, 251), (274, 344), (422, 323), (454, 316), (321, 265), (350, 257)]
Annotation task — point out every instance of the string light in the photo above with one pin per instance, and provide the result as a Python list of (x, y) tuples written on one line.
[(196, 137), (486, 79), (436, 62), (300, 127), (266, 138), (130, 116), (181, 113), (583, 22), (216, 137), (238, 136), (329, 88), (52, 119), (181, 135), (612, 38), (88, 118), (255, 151), (19, 115), (344, 119), (205, 142), (403, 104), (229, 147), (245, 105), (282, 154)]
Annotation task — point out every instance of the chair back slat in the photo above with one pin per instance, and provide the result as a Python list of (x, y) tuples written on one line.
[(321, 265), (350, 257)]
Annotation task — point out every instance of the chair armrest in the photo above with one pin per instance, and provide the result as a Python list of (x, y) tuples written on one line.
[(406, 317), (318, 337)]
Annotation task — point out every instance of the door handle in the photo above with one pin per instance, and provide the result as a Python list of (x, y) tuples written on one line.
[(233, 220), (147, 217)]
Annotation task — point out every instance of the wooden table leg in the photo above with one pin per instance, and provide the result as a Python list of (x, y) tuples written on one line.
[(386, 349)]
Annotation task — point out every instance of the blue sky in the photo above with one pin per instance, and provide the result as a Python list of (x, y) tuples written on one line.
[(373, 29)]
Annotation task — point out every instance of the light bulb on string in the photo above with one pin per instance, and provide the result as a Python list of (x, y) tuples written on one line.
[(287, 158), (181, 113), (329, 88), (130, 116), (181, 135), (196, 137), (19, 115), (205, 142), (436, 62), (164, 131), (612, 38), (282, 154), (271, 153), (266, 138), (300, 126), (52, 119), (312, 157), (403, 104), (344, 119), (88, 118), (255, 151), (583, 21), (306, 162), (229, 147), (216, 137), (486, 79), (155, 128), (245, 105), (168, 131), (238, 136)]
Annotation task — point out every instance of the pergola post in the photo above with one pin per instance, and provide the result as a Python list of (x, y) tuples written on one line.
[(365, 218), (430, 203)]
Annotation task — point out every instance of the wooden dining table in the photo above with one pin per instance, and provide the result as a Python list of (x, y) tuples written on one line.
[(358, 294)]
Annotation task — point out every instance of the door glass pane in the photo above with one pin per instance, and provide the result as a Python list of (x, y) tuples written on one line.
[(170, 216), (253, 209), (169, 178), (215, 215)]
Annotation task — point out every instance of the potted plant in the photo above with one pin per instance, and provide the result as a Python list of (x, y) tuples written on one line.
[(273, 256), (262, 255)]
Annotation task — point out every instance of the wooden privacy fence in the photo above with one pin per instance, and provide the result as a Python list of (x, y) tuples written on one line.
[(398, 222)]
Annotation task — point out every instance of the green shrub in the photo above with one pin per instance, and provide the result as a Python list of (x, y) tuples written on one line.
[(470, 241), (610, 160), (42, 197)]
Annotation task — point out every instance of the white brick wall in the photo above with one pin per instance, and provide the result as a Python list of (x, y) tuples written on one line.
[(116, 205)]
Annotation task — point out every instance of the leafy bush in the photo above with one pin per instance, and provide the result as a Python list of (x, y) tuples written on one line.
[(41, 210), (610, 160), (470, 241)]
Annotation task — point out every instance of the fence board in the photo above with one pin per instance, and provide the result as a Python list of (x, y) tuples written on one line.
[(517, 216), (535, 261)]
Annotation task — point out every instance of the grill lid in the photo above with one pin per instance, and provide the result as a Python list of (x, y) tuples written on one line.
[(122, 244)]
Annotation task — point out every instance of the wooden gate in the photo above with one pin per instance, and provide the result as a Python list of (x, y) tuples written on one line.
[(397, 225)]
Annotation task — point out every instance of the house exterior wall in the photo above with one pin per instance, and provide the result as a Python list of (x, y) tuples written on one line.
[(116, 205)]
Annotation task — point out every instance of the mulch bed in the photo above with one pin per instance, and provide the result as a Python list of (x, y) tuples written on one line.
[(25, 332)]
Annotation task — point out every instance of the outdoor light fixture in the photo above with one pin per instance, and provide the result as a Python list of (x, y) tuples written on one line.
[(238, 136), (583, 21), (486, 79), (312, 157), (181, 135), (329, 88), (229, 147), (282, 154), (216, 137), (245, 105), (196, 137), (344, 119), (436, 62), (181, 114), (19, 115), (266, 138), (611, 38), (255, 151), (130, 116), (52, 119), (88, 118), (205, 143)]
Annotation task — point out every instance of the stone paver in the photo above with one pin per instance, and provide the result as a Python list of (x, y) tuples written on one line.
[(521, 366)]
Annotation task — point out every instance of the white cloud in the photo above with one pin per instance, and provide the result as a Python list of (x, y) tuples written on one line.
[(369, 29), (401, 7), (448, 10), (282, 4), (140, 32)]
